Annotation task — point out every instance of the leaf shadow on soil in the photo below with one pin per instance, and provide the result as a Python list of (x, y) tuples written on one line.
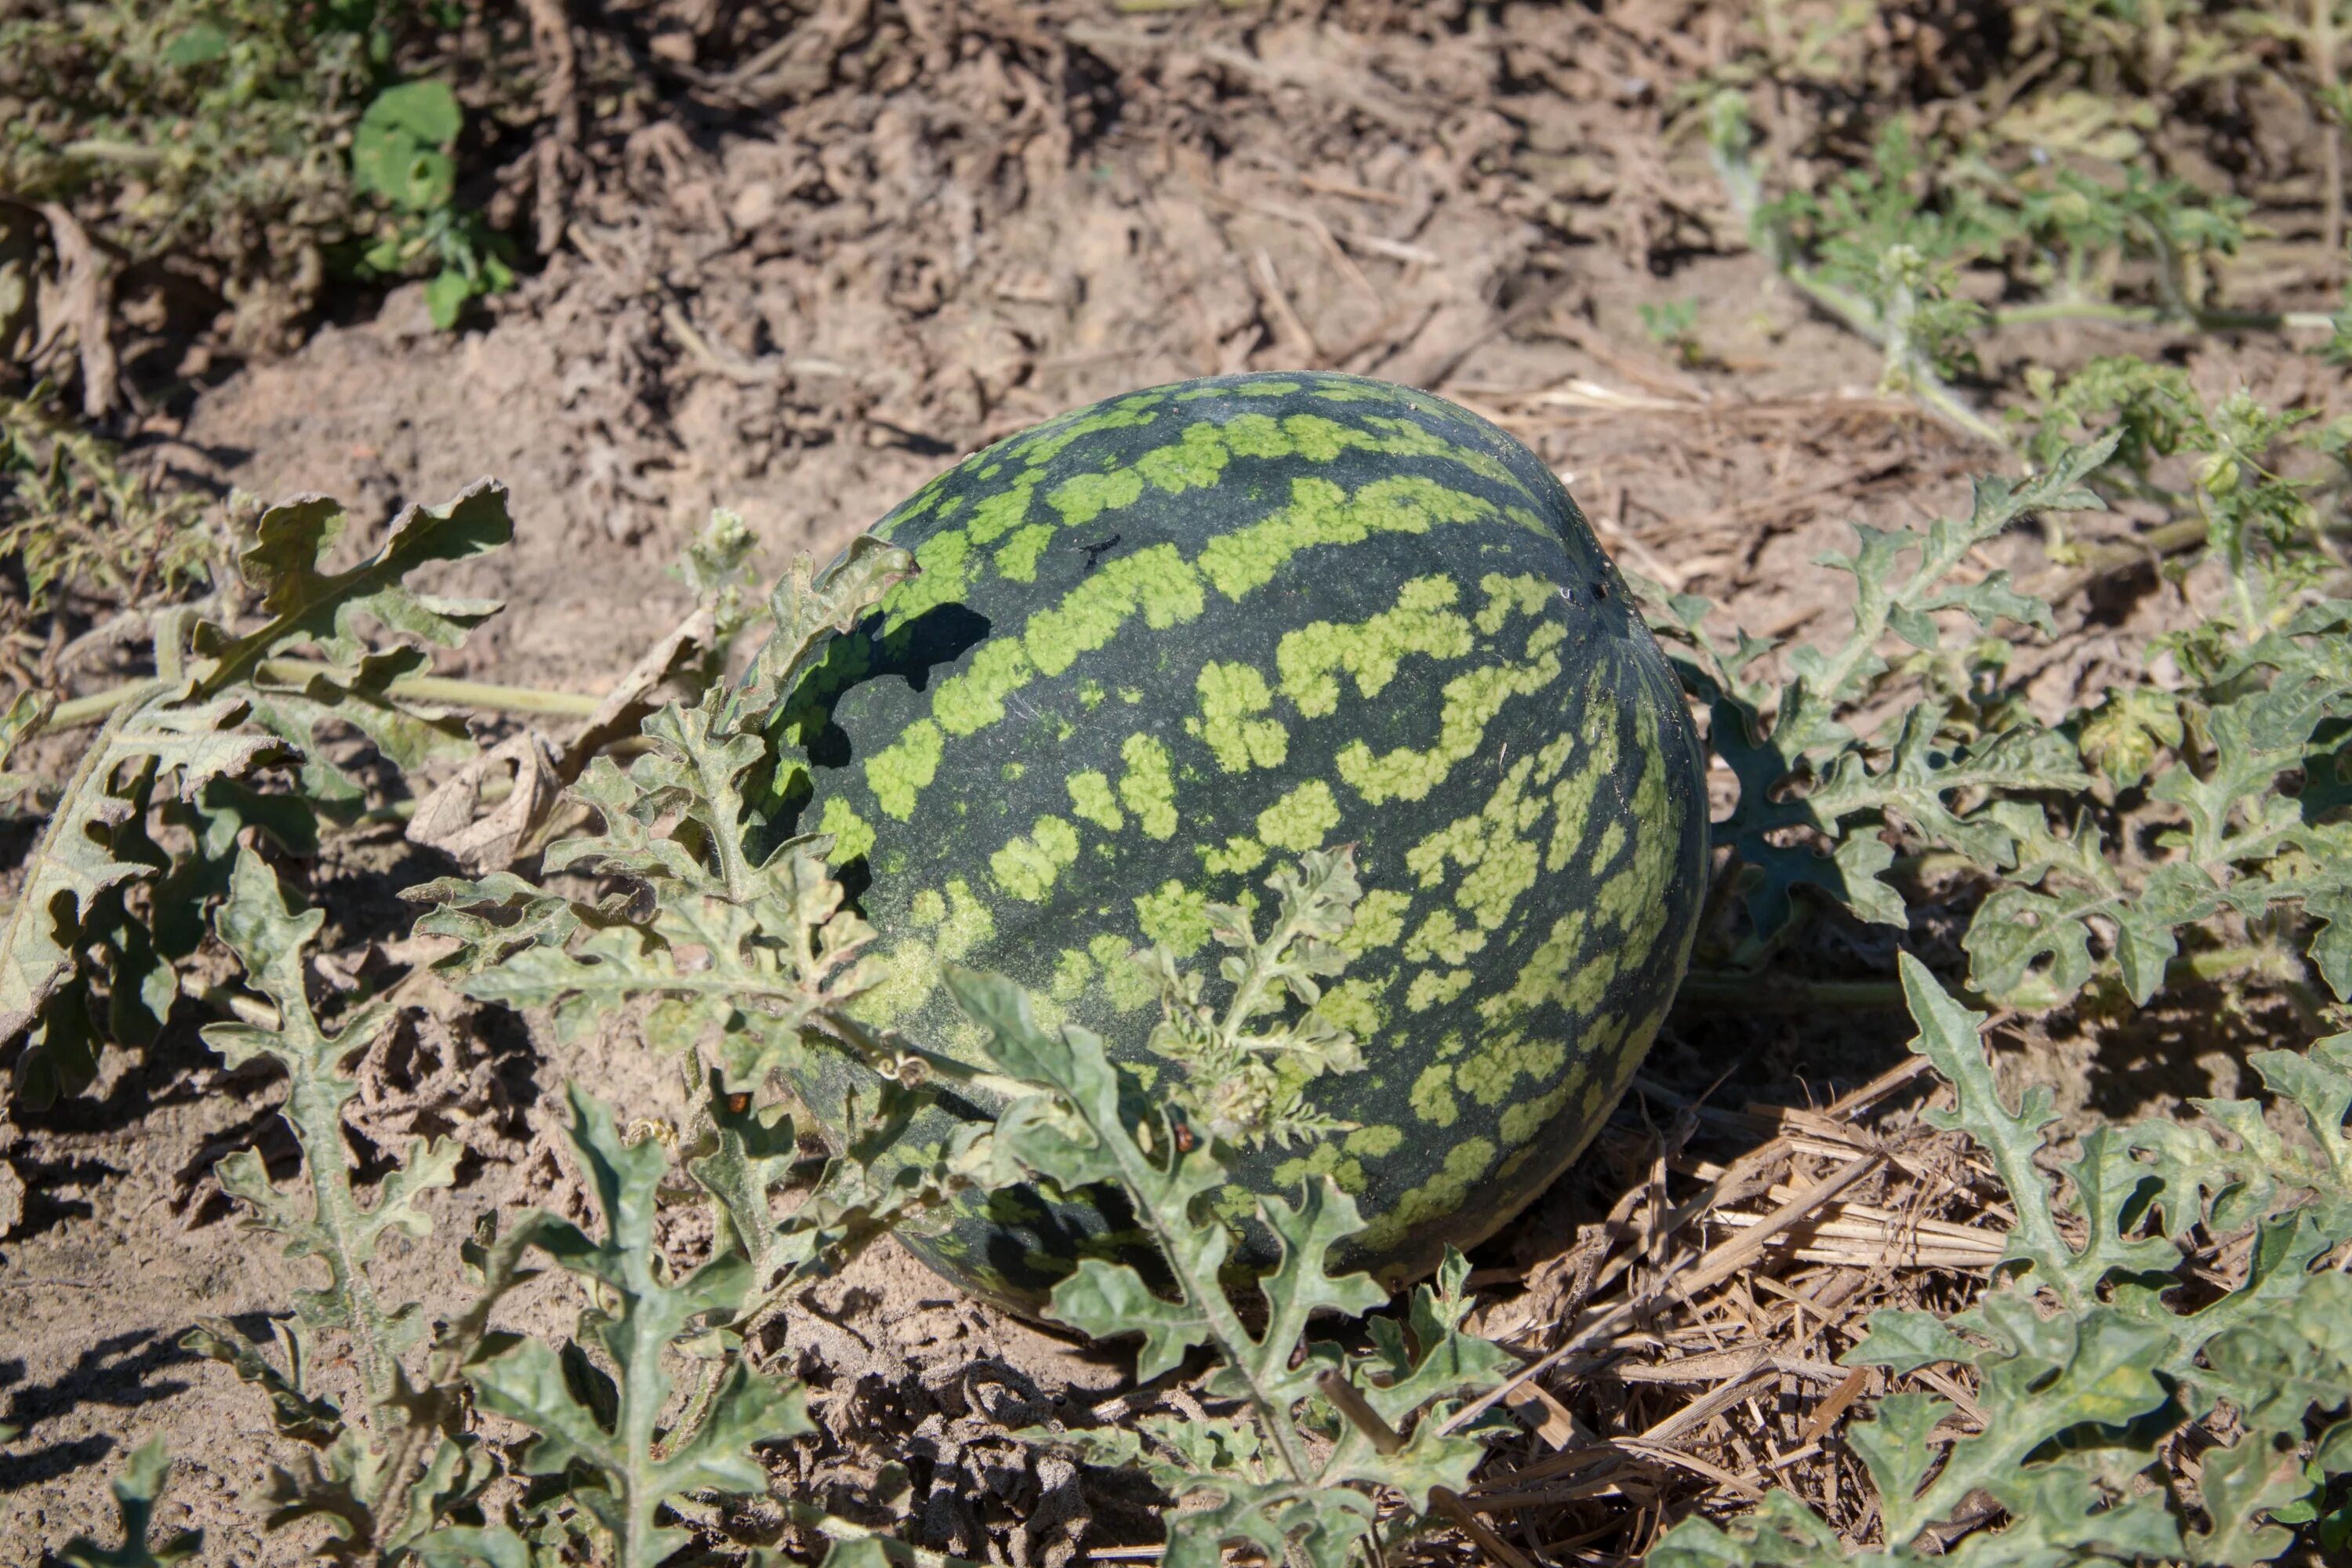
[(44, 1178), (119, 1371), (161, 1076)]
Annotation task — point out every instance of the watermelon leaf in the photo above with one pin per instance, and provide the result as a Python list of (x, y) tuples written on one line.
[(221, 705), (2239, 770), (623, 1468), (136, 1492), (1807, 769), (1241, 1082), (738, 940), (2083, 1361), (1256, 1477)]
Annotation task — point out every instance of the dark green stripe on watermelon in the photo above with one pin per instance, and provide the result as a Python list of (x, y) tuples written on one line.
[(1158, 644)]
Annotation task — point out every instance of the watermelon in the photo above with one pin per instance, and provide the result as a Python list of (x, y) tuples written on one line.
[(1163, 643)]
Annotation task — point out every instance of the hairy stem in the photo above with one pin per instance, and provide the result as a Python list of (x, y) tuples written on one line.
[(1208, 1296), (94, 707)]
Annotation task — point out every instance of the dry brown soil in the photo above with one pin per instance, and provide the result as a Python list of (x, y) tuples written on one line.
[(798, 293)]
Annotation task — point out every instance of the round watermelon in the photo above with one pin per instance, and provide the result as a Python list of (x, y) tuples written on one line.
[(1162, 644)]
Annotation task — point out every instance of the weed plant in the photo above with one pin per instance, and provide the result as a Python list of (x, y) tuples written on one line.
[(273, 139)]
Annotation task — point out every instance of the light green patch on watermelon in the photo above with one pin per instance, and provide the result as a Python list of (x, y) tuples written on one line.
[(1432, 1096), (1507, 871), (943, 576), (1130, 695), (1051, 440), (1073, 973), (1010, 1205), (1365, 392), (1354, 1005), (1018, 559), (1457, 840), (1524, 1120), (1148, 787), (1311, 657), (972, 699), (1176, 917), (1302, 819), (1233, 1203), (1319, 440), (1195, 462), (1635, 899), (910, 970), (904, 768), (1443, 938), (1256, 435), (969, 923), (1091, 800), (1443, 1193), (1573, 797), (1490, 846), (1595, 1097), (995, 516), (1321, 513), (1091, 695), (1588, 987), (1325, 1159), (1245, 389), (1231, 696), (1050, 1014), (1027, 867), (1654, 801), (1239, 856), (1471, 701), (912, 511), (1082, 498), (1605, 846), (1542, 974), (1526, 593), (1434, 988), (1129, 985), (1409, 438), (1488, 1074), (926, 909), (1377, 1141), (1199, 459), (1158, 582), (1380, 921), (852, 836)]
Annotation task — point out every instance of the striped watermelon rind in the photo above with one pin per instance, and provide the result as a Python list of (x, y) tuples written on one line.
[(1159, 645)]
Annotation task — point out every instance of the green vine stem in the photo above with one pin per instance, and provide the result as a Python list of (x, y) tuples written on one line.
[(475, 694)]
